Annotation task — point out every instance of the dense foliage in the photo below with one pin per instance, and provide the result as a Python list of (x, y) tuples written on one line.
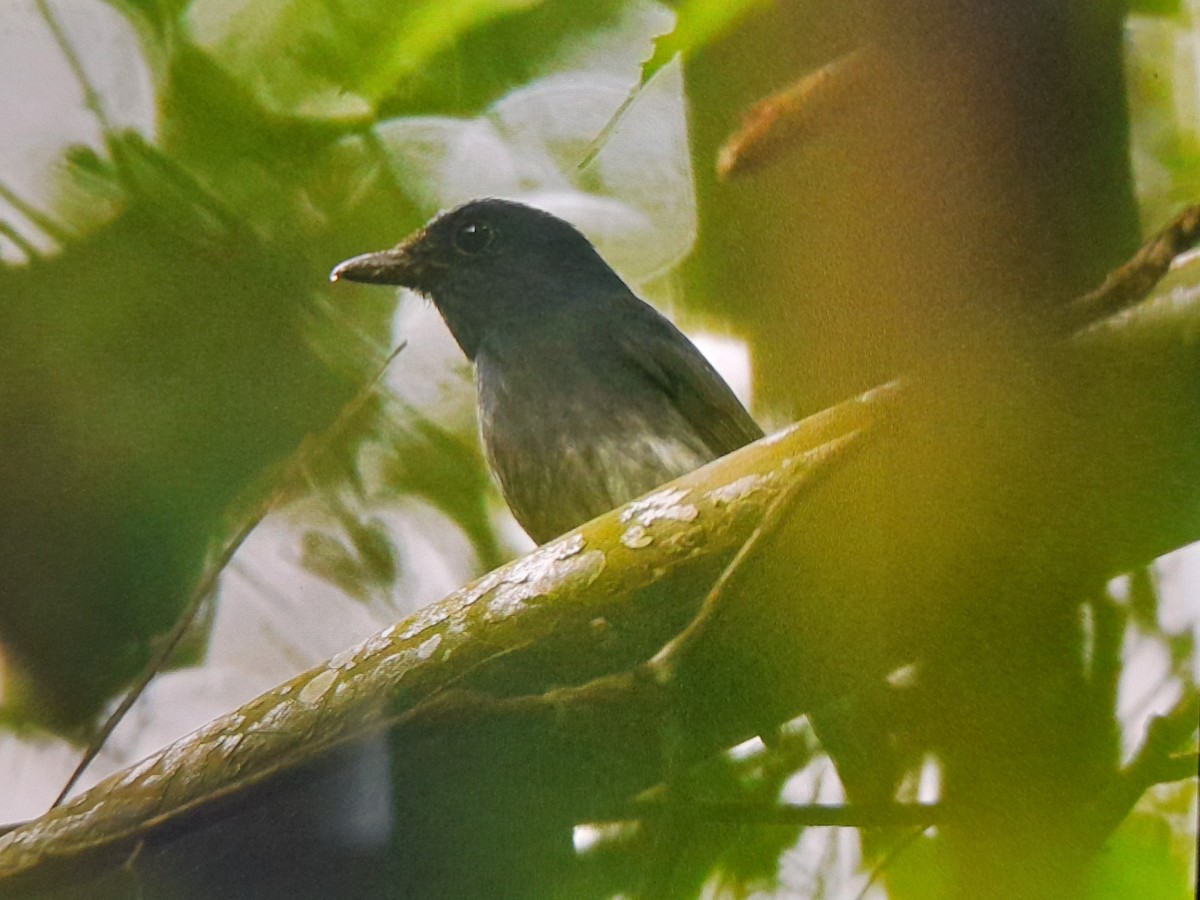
[(177, 179)]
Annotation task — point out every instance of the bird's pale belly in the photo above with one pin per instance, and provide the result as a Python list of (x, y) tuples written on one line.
[(557, 474)]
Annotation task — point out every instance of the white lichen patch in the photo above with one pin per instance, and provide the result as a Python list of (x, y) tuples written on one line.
[(374, 645), (398, 663), (538, 574), (136, 772), (422, 620), (275, 718), (219, 747), (172, 759), (537, 564), (531, 568), (565, 547), (317, 687), (735, 490), (484, 586), (231, 722), (662, 505), (782, 435), (636, 537), (428, 646), (344, 659), (228, 744), (87, 819)]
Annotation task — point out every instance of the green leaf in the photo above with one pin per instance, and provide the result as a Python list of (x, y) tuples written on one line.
[(336, 62), (431, 27), (699, 23), (1155, 7), (1143, 859)]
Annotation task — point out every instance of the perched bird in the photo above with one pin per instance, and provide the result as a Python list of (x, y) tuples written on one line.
[(587, 397)]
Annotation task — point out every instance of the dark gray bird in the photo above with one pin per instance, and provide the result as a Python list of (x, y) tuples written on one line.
[(587, 396)]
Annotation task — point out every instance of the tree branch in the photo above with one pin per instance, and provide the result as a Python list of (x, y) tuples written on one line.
[(1156, 762)]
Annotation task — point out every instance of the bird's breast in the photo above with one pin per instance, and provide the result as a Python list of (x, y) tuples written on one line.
[(567, 448)]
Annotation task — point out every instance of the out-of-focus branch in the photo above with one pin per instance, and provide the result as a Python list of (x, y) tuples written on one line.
[(800, 112), (1133, 281), (1156, 762)]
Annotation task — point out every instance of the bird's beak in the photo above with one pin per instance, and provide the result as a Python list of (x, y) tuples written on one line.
[(413, 263), (385, 267)]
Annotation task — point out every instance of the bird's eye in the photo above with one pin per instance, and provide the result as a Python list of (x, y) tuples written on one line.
[(473, 237)]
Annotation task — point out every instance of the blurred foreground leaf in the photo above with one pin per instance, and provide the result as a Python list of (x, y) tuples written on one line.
[(336, 63)]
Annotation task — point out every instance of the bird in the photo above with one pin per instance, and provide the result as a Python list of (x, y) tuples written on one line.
[(587, 397)]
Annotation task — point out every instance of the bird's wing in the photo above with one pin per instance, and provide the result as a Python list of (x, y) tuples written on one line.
[(648, 341)]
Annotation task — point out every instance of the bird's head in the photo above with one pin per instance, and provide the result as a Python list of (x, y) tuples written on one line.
[(491, 264)]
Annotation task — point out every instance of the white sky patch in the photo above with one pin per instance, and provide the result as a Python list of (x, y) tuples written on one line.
[(731, 358), (1179, 594), (43, 107), (635, 199), (1147, 687), (747, 748)]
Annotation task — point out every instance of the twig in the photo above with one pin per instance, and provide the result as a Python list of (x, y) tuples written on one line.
[(799, 112), (19, 241), (168, 644), (51, 228), (294, 469), (663, 662), (663, 666), (91, 96), (602, 136), (1132, 281), (890, 857), (1155, 763), (1176, 767)]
